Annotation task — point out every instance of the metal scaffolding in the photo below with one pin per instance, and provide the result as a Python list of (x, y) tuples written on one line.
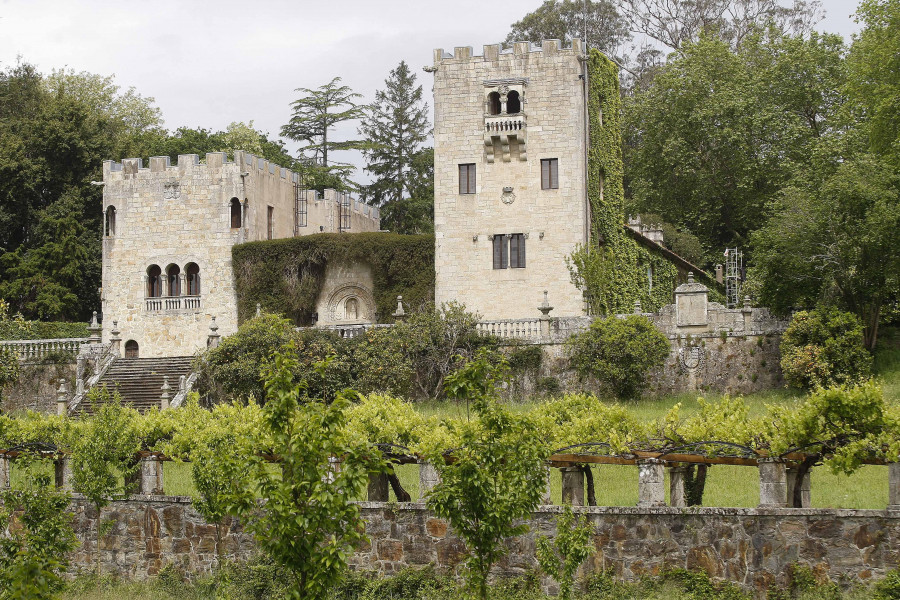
[(734, 276)]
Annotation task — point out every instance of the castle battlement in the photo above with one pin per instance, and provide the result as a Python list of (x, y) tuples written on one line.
[(247, 163), (496, 52)]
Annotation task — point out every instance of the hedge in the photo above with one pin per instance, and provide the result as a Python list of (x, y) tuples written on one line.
[(286, 276), (41, 330)]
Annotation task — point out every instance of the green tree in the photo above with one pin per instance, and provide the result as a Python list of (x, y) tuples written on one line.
[(497, 475), (561, 557), (718, 133), (34, 554), (395, 126), (310, 524), (564, 20), (619, 353), (832, 237), (103, 456), (415, 214), (874, 74), (314, 116)]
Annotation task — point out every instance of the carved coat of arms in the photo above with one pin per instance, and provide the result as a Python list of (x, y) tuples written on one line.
[(171, 191)]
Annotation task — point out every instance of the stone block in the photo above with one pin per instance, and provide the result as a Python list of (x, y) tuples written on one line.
[(651, 483), (572, 486), (772, 483)]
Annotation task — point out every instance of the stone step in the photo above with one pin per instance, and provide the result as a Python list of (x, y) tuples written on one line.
[(139, 381)]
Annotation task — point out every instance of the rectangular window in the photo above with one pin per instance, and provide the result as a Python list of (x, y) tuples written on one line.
[(517, 251), (501, 254), (270, 223), (467, 179), (549, 174), (302, 208)]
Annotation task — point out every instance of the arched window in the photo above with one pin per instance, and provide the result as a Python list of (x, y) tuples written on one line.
[(236, 213), (494, 103), (351, 309), (513, 103), (192, 272), (131, 349), (110, 221), (154, 281), (173, 278)]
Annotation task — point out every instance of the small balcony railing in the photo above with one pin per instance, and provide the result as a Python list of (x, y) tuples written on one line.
[(170, 303), (499, 124)]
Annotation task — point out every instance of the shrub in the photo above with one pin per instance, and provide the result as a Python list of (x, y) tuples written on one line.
[(824, 347), (619, 353)]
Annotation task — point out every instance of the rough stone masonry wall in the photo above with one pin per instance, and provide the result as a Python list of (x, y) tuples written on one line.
[(751, 547), (36, 387)]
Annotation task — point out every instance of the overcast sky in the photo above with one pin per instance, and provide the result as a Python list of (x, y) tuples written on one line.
[(213, 62)]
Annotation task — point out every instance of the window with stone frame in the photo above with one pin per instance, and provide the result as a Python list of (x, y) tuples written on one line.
[(513, 103), (110, 221), (509, 251), (236, 213), (270, 223), (467, 178), (494, 103), (173, 278), (549, 174), (154, 281), (192, 273)]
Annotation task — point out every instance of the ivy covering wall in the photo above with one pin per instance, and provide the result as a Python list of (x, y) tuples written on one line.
[(286, 276), (615, 269)]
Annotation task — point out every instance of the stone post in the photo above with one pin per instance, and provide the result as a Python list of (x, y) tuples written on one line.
[(62, 403), (378, 487), (212, 340), (258, 310), (428, 478), (720, 274), (115, 342), (637, 308), (399, 314), (148, 479), (572, 486), (651, 482), (546, 499), (165, 395), (747, 313), (63, 473), (4, 472), (805, 485), (772, 483), (677, 495), (545, 309), (894, 486), (691, 304), (94, 330)]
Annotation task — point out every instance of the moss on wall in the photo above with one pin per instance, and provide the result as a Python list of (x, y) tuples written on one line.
[(286, 276), (616, 269)]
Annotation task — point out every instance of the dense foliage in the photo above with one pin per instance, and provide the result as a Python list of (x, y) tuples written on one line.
[(824, 347), (286, 276), (619, 353)]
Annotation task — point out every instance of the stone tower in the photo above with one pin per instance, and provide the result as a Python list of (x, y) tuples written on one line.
[(168, 234), (510, 166)]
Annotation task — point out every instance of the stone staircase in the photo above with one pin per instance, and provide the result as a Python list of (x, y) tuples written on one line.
[(139, 381)]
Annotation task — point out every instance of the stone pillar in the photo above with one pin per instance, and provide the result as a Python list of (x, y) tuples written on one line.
[(378, 487), (63, 473), (747, 313), (546, 499), (4, 472), (545, 309), (212, 340), (894, 486), (258, 310), (637, 308), (165, 395), (651, 482), (62, 403), (94, 330), (148, 479), (115, 342), (691, 303), (772, 483), (572, 486), (677, 495), (399, 314), (791, 475), (428, 478), (720, 274)]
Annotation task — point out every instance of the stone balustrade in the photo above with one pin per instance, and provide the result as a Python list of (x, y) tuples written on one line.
[(168, 303), (36, 350), (522, 329)]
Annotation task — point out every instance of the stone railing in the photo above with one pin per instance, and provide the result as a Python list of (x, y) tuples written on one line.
[(35, 350), (185, 385), (496, 124), (352, 331), (522, 329), (166, 303)]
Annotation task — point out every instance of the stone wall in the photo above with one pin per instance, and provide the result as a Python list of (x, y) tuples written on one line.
[(751, 547), (506, 150), (36, 387)]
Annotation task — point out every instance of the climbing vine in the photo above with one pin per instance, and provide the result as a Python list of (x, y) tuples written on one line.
[(615, 270), (286, 276)]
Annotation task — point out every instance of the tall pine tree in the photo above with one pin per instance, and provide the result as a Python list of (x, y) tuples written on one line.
[(396, 125)]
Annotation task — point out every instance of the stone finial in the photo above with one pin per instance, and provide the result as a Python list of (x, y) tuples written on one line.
[(62, 403), (115, 341), (690, 277), (637, 307), (164, 397), (94, 329), (212, 339), (545, 307), (258, 310), (399, 314), (747, 303)]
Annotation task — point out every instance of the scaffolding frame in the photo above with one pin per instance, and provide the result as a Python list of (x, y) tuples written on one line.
[(734, 276)]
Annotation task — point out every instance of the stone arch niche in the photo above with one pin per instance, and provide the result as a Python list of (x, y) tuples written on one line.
[(346, 295)]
